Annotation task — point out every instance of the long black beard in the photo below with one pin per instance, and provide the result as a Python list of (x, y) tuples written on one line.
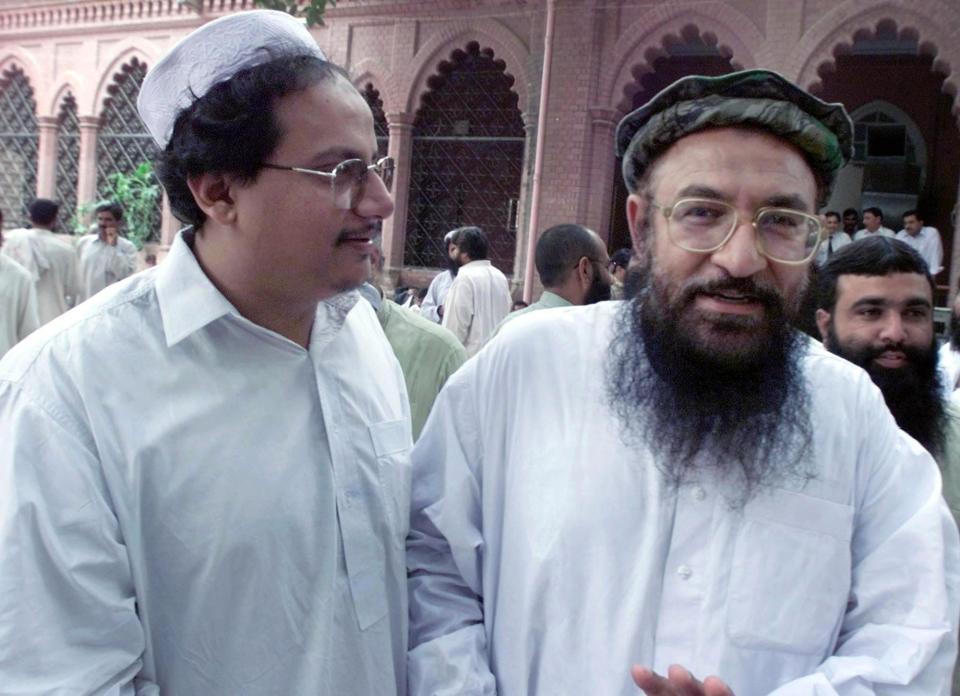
[(954, 334), (747, 414), (914, 393)]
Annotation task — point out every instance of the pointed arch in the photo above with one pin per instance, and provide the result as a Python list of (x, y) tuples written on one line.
[(489, 34), (373, 71), (128, 49), (15, 56), (837, 30), (649, 37), (69, 84)]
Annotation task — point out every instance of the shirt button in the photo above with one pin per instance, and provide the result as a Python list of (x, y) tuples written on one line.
[(684, 572), (699, 493)]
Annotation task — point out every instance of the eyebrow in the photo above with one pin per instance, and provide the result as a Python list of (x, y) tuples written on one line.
[(882, 302), (336, 153), (785, 200)]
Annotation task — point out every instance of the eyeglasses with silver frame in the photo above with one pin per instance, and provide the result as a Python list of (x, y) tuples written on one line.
[(703, 225), (348, 179)]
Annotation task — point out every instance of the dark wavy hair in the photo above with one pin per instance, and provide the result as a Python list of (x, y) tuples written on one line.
[(232, 128), (873, 256)]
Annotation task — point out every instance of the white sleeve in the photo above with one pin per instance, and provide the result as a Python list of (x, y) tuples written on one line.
[(458, 309), (29, 320), (67, 602), (899, 634), (448, 653), (123, 261), (936, 257), (429, 307)]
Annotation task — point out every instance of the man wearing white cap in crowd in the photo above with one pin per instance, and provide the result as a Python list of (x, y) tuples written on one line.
[(203, 469)]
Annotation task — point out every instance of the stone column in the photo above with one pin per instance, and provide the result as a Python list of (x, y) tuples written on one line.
[(395, 227), (525, 204), (87, 167), (47, 157), (603, 122)]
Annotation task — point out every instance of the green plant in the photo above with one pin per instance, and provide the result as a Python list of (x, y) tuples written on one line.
[(137, 192), (312, 11)]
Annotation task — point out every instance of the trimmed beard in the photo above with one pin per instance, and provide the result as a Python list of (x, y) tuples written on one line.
[(724, 396), (598, 291), (913, 393)]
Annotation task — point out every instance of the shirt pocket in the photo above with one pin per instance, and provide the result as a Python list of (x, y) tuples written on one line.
[(392, 442), (790, 577)]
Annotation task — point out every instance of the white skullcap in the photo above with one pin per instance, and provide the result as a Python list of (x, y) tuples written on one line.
[(213, 54)]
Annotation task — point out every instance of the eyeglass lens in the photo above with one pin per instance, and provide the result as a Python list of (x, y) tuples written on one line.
[(702, 225), (350, 178)]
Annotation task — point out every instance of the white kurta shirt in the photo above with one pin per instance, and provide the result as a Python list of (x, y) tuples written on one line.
[(436, 295), (18, 304), (477, 302), (948, 360), (102, 264), (548, 553), (191, 504), (928, 245), (52, 262)]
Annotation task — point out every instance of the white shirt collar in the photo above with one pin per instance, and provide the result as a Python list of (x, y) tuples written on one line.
[(189, 301)]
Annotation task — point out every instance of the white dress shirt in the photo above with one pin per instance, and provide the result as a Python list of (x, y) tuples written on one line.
[(52, 262), (436, 295), (882, 231), (193, 504), (102, 264), (928, 245), (547, 556), (477, 302), (18, 304), (831, 245)]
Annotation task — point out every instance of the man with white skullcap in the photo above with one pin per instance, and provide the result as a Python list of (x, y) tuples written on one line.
[(203, 469)]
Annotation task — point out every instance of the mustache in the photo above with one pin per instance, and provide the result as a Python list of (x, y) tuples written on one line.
[(766, 296), (369, 232), (914, 355)]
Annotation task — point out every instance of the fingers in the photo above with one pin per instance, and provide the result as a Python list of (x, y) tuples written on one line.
[(714, 686), (651, 683), (678, 682)]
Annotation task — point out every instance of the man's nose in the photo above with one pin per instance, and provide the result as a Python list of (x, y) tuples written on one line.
[(891, 329), (740, 256)]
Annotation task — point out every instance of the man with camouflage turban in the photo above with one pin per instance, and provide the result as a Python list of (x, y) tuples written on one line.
[(725, 506)]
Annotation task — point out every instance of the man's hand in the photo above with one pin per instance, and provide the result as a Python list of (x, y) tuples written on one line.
[(678, 682), (108, 235)]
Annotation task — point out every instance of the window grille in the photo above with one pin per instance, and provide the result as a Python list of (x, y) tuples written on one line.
[(19, 143), (123, 143), (467, 162), (68, 162), (380, 129)]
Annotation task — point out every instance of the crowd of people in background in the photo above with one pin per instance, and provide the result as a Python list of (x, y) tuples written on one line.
[(62, 271)]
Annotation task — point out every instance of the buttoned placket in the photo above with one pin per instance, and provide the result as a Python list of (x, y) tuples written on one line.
[(685, 573)]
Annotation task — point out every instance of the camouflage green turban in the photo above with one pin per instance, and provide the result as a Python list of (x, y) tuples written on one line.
[(752, 98)]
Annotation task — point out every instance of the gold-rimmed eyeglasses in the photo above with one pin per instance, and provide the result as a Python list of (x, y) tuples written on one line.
[(703, 225), (348, 179)]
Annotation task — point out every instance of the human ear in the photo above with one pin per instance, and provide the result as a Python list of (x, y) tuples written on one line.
[(637, 206), (212, 192), (823, 323)]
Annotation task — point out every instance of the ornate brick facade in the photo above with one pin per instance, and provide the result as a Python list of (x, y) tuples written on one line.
[(602, 51)]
